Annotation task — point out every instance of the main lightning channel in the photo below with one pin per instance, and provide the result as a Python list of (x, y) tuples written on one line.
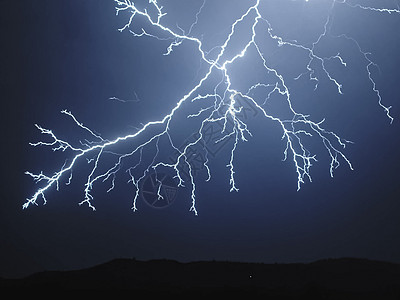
[(225, 107)]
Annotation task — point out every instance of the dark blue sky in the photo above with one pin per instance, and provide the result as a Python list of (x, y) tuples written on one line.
[(69, 55)]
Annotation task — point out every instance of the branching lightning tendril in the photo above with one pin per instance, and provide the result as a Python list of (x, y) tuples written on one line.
[(220, 105)]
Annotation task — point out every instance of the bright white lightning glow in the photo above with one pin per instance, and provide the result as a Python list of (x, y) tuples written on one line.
[(224, 106)]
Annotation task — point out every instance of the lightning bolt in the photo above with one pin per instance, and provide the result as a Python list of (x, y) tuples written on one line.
[(219, 105)]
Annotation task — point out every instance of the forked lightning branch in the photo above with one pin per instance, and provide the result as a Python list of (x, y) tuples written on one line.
[(217, 102)]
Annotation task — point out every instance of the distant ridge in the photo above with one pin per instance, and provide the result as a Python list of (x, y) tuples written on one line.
[(344, 278)]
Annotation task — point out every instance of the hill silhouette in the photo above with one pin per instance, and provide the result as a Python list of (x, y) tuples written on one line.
[(345, 278)]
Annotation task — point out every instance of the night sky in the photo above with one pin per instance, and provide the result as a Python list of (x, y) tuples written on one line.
[(69, 54)]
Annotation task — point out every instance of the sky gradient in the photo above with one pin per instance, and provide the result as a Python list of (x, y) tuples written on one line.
[(70, 55)]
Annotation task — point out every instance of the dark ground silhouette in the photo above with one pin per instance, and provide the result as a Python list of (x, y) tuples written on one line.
[(345, 278)]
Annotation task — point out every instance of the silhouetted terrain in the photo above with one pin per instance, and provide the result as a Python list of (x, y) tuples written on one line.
[(326, 279)]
